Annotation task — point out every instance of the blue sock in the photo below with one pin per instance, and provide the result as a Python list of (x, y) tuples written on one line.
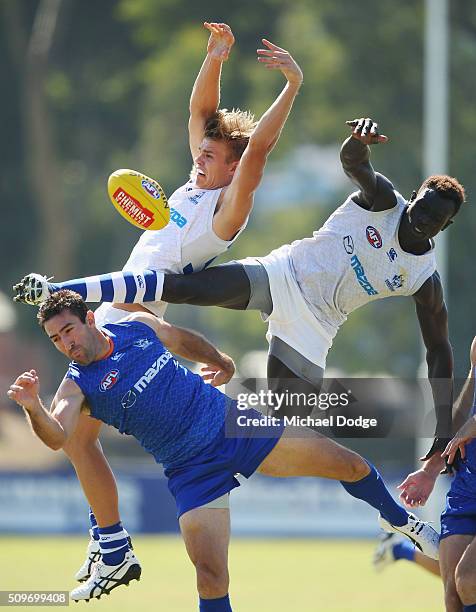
[(94, 525), (373, 490), (404, 550), (471, 608), (215, 605), (113, 544)]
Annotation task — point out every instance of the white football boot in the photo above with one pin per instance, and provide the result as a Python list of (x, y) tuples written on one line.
[(104, 578), (93, 555), (383, 555), (33, 289), (419, 532)]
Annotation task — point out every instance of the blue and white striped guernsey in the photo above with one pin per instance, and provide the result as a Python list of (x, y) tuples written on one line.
[(142, 390)]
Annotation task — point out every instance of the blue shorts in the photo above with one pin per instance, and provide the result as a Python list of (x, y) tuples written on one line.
[(459, 516), (235, 450)]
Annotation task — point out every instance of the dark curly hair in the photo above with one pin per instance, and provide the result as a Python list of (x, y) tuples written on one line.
[(59, 301), (447, 187)]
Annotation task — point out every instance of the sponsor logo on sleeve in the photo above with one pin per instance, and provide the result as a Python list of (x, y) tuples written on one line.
[(117, 357), (374, 237), (109, 380)]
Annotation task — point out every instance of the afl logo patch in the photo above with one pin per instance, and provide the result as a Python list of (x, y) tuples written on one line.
[(374, 237), (109, 380)]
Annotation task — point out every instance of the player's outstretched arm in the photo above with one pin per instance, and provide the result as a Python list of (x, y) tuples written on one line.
[(433, 321), (461, 410), (376, 189), (205, 97), (464, 403), (192, 346), (238, 199), (417, 486), (54, 428), (456, 445)]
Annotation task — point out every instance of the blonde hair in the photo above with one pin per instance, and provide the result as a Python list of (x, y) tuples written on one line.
[(233, 127)]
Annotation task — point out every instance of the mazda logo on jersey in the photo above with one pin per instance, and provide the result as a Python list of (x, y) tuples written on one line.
[(374, 237), (129, 399), (109, 380), (348, 244)]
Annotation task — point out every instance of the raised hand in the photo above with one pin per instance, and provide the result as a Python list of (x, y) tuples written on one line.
[(221, 40), (219, 375), (461, 438), (25, 390), (366, 130), (416, 488), (276, 58)]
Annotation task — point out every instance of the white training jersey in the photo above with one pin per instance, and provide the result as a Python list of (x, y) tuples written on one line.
[(187, 244), (355, 258)]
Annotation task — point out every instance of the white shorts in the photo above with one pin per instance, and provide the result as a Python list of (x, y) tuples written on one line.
[(291, 319)]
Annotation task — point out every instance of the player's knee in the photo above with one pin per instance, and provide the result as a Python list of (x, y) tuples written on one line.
[(212, 580), (465, 583), (355, 467), (79, 445), (452, 600)]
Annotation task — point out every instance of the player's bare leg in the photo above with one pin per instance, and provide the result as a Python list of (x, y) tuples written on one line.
[(430, 565), (93, 470), (99, 486), (302, 452), (451, 550), (392, 548), (465, 576), (206, 533), (100, 489)]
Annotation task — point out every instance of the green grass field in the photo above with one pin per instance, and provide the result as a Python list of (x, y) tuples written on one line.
[(266, 576)]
